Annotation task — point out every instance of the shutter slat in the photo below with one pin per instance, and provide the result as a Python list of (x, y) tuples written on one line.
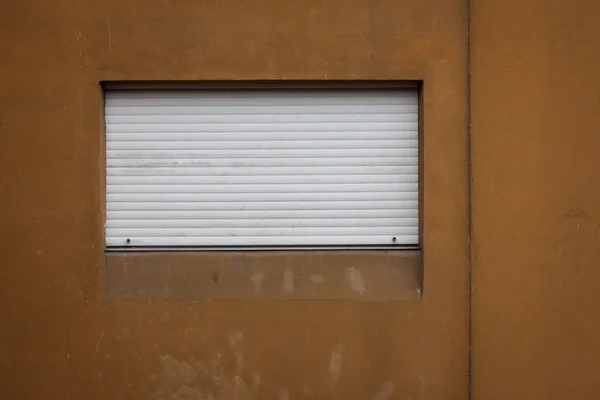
[(256, 231), (266, 162), (264, 153), (401, 190), (308, 167), (265, 145), (267, 171), (277, 127), (276, 109), (260, 118), (172, 141), (264, 205), (259, 179), (149, 195), (261, 214), (262, 223)]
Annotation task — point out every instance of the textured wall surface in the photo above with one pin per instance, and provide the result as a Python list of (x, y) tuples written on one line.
[(60, 339), (535, 114)]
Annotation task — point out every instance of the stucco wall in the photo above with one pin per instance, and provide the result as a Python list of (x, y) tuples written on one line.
[(535, 203), (536, 199), (60, 339)]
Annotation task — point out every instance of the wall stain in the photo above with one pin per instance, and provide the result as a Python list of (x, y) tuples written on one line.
[(288, 281), (577, 212), (195, 380), (318, 279), (257, 278), (284, 394), (335, 363), (387, 389), (356, 280)]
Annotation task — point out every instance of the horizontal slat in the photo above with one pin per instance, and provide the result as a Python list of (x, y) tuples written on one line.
[(262, 214), (249, 167), (248, 145), (401, 189), (294, 231), (116, 241), (260, 179), (266, 101), (262, 223), (199, 197), (260, 189), (191, 140), (262, 162), (252, 171), (269, 153), (260, 118), (266, 127), (264, 205), (277, 109)]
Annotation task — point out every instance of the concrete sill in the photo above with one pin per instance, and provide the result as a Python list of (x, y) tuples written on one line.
[(374, 275)]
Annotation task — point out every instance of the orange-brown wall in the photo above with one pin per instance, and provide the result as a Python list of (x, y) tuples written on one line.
[(535, 123), (534, 197), (61, 338)]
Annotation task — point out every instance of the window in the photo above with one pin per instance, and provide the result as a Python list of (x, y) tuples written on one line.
[(266, 166)]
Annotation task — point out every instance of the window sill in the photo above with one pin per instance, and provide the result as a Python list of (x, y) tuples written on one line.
[(296, 275)]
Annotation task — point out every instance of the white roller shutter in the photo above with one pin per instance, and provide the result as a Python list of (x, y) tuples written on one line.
[(279, 167)]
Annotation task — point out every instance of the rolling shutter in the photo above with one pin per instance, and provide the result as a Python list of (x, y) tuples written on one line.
[(277, 167)]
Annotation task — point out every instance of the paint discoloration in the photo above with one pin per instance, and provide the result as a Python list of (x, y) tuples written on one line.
[(386, 391), (291, 275), (356, 280), (256, 380), (189, 393), (239, 389), (235, 342), (421, 387), (318, 279), (284, 394), (182, 371), (578, 212), (307, 390), (335, 363), (288, 281), (194, 380), (178, 379), (257, 278)]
